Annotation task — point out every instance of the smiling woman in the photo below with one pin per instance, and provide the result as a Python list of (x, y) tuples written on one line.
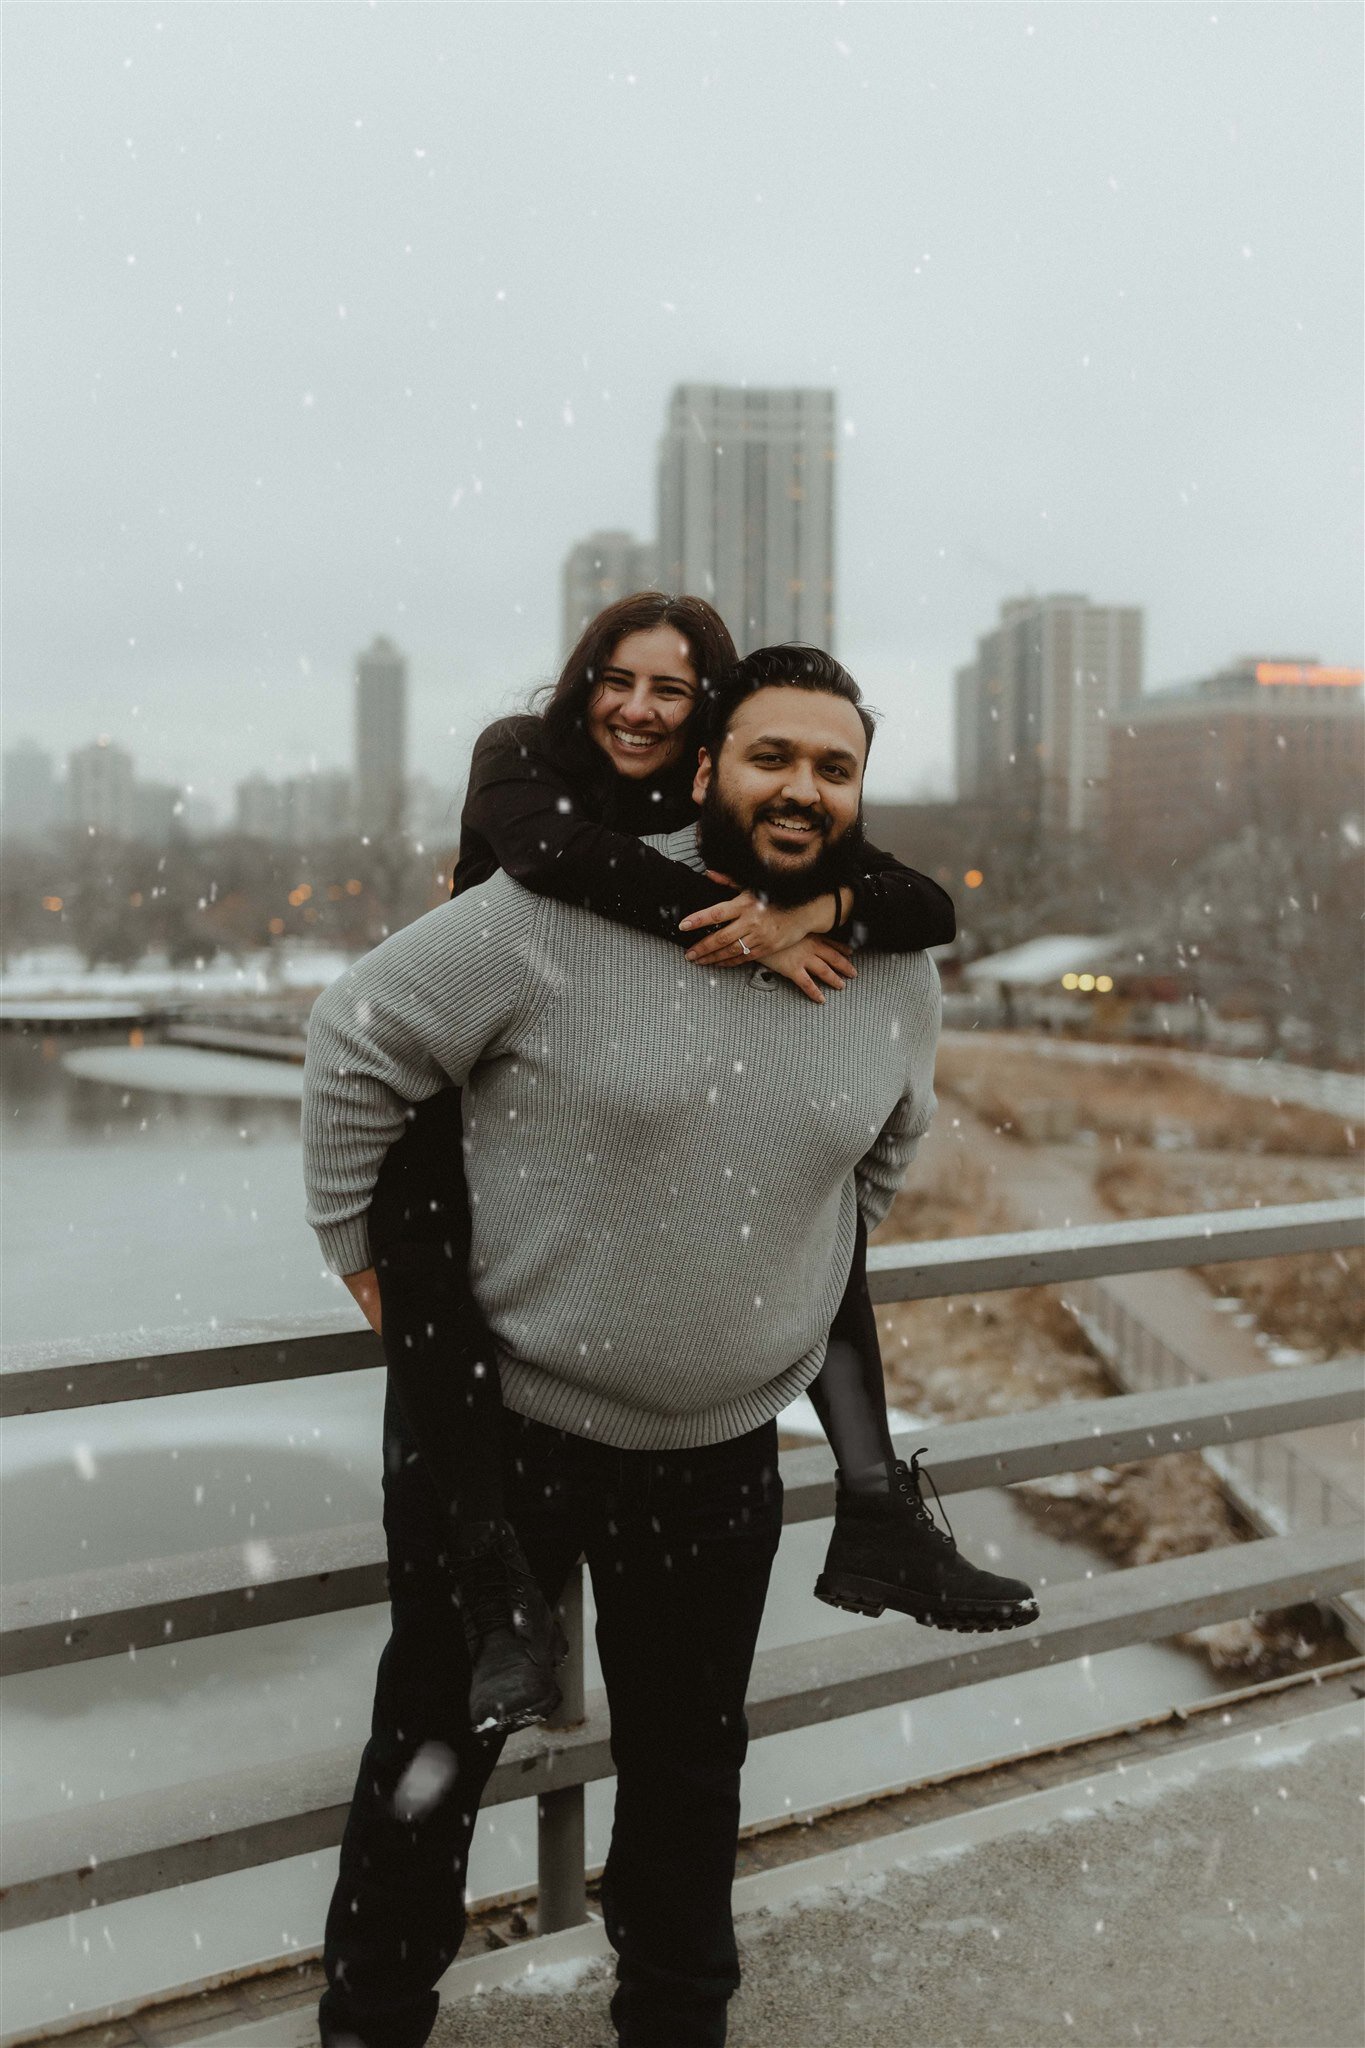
[(640, 709)]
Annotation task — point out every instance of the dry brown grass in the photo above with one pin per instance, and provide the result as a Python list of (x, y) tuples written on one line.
[(968, 1355), (1138, 1101), (1314, 1302)]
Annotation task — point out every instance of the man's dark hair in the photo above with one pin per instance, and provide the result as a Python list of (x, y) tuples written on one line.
[(788, 666)]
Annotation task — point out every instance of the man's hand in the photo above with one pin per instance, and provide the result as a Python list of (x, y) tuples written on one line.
[(763, 928), (814, 965), (365, 1287)]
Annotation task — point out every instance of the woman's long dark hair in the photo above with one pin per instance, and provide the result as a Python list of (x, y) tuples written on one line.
[(565, 711)]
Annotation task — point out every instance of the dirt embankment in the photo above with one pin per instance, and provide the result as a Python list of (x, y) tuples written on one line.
[(1314, 1302), (1141, 1101), (965, 1356)]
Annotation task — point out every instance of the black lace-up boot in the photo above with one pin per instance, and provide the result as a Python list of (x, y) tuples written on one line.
[(514, 1639), (888, 1551)]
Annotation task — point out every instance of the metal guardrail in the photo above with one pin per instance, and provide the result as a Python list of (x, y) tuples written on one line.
[(38, 1378), (125, 1848)]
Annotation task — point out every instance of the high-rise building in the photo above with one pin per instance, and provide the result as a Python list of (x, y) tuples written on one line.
[(433, 814), (381, 714), (597, 571), (317, 807), (158, 810), (1035, 708), (1277, 743), (260, 809), (99, 790), (32, 797), (746, 509)]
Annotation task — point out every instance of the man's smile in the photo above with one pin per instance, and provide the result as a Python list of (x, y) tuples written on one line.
[(795, 824)]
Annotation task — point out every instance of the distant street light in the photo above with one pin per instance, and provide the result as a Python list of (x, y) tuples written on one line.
[(973, 878)]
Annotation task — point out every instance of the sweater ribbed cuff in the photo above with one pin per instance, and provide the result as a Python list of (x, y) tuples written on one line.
[(345, 1246)]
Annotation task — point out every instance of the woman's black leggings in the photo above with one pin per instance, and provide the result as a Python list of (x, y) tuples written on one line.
[(441, 1357), (436, 1344)]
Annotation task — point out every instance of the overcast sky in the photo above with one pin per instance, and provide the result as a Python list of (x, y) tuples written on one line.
[(325, 320)]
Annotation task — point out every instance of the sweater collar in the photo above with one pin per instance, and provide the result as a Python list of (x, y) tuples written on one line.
[(681, 846)]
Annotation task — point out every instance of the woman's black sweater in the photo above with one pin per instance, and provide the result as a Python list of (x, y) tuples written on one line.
[(524, 813)]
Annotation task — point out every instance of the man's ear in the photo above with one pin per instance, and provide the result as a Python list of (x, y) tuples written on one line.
[(701, 782)]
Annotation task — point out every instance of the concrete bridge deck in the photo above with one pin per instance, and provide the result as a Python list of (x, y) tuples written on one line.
[(1211, 1896), (1195, 1883)]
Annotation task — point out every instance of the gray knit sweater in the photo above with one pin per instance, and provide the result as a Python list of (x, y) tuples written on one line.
[(664, 1164)]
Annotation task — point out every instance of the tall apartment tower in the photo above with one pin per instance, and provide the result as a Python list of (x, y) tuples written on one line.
[(260, 809), (32, 797), (746, 509), (597, 571), (381, 721), (1034, 709), (99, 790)]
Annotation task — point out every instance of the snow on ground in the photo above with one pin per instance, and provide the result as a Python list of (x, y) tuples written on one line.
[(60, 971)]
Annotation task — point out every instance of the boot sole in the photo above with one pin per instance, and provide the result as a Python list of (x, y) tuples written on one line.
[(872, 1598), (528, 1716)]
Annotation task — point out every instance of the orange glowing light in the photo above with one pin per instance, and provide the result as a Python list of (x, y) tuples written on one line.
[(276, 926), (354, 888), (52, 903), (136, 1039), (1309, 672), (973, 878)]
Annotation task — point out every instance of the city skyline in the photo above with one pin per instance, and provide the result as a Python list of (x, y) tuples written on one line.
[(1074, 278)]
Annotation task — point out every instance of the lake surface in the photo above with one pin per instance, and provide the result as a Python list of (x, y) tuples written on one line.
[(128, 1209)]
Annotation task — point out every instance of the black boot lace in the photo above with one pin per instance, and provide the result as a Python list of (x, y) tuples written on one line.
[(492, 1591), (908, 1486)]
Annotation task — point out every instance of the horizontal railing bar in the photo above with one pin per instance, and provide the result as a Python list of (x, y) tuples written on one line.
[(127, 1848), (1033, 1258), (807, 1683), (151, 1602), (104, 1613), (40, 1379), (37, 1379), (1120, 1429), (159, 1600)]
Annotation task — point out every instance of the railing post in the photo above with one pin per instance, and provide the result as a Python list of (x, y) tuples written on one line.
[(561, 1842)]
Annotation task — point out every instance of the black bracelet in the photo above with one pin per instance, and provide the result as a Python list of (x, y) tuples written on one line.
[(839, 917)]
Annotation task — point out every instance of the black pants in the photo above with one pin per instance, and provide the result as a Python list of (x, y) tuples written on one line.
[(680, 1545)]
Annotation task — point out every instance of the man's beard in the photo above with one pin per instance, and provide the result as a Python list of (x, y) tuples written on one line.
[(727, 845)]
